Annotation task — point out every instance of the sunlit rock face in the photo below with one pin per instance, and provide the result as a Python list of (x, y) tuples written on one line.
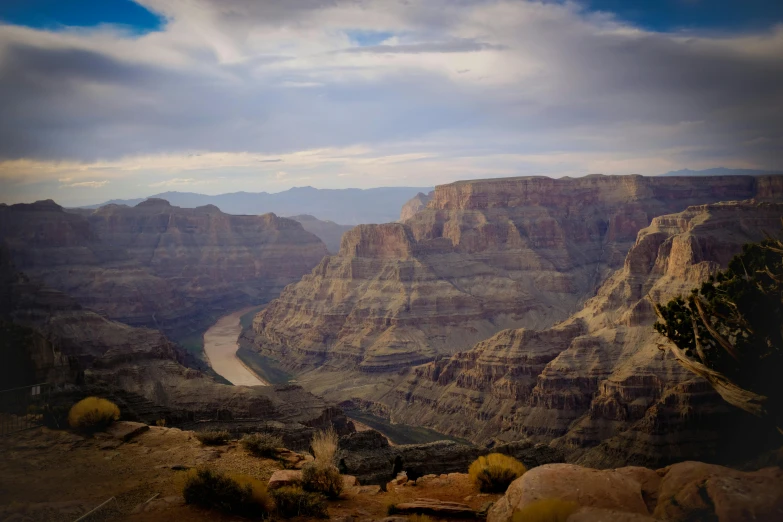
[(597, 385), (483, 256), (155, 264)]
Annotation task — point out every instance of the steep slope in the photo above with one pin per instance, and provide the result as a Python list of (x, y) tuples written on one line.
[(416, 203), (155, 264), (329, 232), (63, 343), (483, 256), (599, 379)]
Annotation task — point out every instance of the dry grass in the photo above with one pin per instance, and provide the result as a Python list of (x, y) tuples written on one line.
[(235, 494), (495, 472), (213, 437), (324, 446), (321, 478), (546, 510), (93, 414), (294, 502)]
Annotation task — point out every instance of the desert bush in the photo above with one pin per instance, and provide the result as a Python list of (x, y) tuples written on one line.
[(495, 472), (322, 478), (213, 437), (262, 444), (236, 494), (293, 502), (324, 445), (546, 510), (160, 422), (93, 414)]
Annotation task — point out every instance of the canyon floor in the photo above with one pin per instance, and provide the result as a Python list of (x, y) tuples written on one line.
[(55, 476), (220, 349)]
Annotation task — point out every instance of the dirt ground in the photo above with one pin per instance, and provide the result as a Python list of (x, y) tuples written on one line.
[(58, 476)]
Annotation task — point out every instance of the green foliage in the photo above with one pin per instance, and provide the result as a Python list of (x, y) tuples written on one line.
[(730, 329), (93, 414), (235, 494), (213, 437), (322, 478), (262, 444), (293, 502), (546, 510), (495, 472)]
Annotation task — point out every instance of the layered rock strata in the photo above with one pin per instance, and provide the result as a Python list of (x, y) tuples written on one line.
[(329, 232), (415, 204), (598, 385), (157, 265), (483, 256)]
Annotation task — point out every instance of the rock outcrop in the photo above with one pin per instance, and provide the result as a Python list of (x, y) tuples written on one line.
[(415, 204), (329, 232), (599, 379), (483, 256), (684, 491), (156, 265)]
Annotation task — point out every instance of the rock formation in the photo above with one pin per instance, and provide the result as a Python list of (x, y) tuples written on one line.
[(599, 379), (157, 265), (482, 257), (329, 232), (79, 350), (416, 203)]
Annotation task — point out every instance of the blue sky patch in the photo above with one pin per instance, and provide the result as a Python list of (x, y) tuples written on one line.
[(674, 15), (55, 14), (368, 38)]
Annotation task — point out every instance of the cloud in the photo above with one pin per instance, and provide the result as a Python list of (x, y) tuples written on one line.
[(452, 89), (86, 184)]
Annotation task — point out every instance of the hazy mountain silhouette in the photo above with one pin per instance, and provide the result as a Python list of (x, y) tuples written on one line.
[(720, 171)]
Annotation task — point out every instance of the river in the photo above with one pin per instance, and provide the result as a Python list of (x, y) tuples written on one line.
[(220, 349)]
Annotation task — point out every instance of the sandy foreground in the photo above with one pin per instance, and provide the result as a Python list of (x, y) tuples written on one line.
[(220, 347)]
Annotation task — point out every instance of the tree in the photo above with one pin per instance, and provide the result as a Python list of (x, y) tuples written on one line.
[(730, 330)]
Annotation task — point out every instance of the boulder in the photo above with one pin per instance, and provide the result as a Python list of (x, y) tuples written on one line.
[(589, 514), (609, 489), (285, 477), (442, 508)]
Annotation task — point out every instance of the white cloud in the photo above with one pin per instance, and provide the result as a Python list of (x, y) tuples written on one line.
[(87, 184)]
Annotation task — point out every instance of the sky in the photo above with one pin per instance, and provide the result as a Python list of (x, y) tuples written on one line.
[(103, 99)]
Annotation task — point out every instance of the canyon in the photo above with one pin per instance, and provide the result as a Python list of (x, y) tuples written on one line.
[(516, 309), (156, 265)]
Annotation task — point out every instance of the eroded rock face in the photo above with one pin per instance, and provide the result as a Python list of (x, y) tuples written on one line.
[(156, 265), (415, 204), (329, 232), (483, 256), (599, 379)]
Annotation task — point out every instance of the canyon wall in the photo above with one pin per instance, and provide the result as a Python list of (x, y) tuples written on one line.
[(598, 385), (483, 256), (157, 265)]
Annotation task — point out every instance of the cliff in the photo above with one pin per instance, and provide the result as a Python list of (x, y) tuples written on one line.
[(158, 265), (483, 256), (598, 385), (415, 204), (329, 232)]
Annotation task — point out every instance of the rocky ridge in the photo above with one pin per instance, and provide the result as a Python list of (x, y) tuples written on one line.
[(157, 265), (597, 385), (415, 204), (329, 232), (483, 256)]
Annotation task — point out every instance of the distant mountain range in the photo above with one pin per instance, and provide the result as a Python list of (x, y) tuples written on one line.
[(721, 171), (344, 206)]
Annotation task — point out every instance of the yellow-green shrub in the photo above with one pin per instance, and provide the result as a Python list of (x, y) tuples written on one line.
[(93, 414), (321, 478), (235, 494), (546, 510), (291, 501), (495, 472), (262, 444)]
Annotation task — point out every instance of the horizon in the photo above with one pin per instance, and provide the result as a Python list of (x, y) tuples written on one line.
[(119, 99)]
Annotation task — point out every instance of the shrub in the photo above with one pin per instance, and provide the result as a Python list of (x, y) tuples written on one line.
[(236, 494), (93, 414), (546, 510), (160, 422), (324, 446), (293, 502), (420, 518), (213, 437), (262, 444), (495, 472), (320, 478)]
